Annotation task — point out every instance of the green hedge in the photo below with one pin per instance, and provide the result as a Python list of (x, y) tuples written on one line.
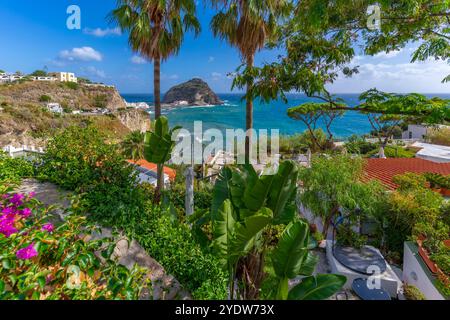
[(174, 247), (13, 170)]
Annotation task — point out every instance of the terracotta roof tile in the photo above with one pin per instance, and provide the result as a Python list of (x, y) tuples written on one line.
[(171, 173), (385, 169)]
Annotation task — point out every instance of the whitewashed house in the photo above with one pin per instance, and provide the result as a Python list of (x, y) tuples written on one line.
[(64, 76), (48, 78), (415, 132), (55, 107), (420, 132), (10, 77)]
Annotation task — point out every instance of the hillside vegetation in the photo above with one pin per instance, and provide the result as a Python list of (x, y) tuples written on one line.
[(71, 96), (24, 118)]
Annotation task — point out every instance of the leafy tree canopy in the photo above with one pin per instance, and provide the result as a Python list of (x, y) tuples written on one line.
[(39, 73)]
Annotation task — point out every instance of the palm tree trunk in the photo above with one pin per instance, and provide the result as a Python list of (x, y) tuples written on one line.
[(249, 115), (157, 86), (157, 97)]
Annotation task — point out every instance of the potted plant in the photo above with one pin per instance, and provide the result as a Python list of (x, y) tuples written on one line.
[(426, 257), (439, 183)]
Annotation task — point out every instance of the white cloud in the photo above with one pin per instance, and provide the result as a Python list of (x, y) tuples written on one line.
[(81, 54), (388, 55), (94, 72), (211, 59), (138, 60), (404, 77), (98, 32)]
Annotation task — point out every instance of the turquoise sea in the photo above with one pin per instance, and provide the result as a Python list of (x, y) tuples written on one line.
[(266, 116)]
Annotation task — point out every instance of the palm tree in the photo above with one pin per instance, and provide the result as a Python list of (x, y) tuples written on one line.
[(156, 30), (133, 146), (248, 25)]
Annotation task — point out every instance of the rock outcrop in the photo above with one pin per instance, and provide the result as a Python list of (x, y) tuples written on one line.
[(195, 92), (134, 119)]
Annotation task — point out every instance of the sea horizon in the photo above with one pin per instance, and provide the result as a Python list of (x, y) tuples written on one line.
[(272, 115)]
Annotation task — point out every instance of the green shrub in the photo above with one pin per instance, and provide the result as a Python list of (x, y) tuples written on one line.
[(358, 145), (71, 85), (412, 293), (80, 160), (14, 170), (172, 244), (411, 211), (45, 98), (395, 152)]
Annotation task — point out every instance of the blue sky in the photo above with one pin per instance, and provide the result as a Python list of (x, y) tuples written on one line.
[(33, 34)]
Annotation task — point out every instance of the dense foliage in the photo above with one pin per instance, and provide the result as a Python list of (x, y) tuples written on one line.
[(254, 220), (14, 169), (40, 260), (333, 184), (79, 159), (172, 244), (414, 211)]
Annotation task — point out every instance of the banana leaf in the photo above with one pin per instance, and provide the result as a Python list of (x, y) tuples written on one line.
[(222, 189), (256, 193), (281, 198), (158, 145), (246, 232), (223, 229), (319, 287), (291, 251)]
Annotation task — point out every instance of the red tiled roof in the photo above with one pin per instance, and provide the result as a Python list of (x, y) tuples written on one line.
[(385, 169), (171, 173)]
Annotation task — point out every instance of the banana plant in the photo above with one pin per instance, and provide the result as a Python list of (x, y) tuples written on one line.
[(158, 146), (244, 204), (292, 258)]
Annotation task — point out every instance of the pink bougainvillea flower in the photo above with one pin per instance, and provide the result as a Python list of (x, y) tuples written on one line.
[(48, 227), (17, 199), (25, 212), (27, 252), (9, 210), (31, 195), (7, 228)]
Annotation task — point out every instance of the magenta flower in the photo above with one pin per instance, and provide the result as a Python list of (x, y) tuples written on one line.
[(48, 227), (31, 195), (9, 210), (17, 199), (27, 252), (25, 212), (7, 228)]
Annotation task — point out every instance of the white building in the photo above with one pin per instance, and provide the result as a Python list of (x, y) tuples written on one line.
[(10, 77), (45, 78), (55, 108), (64, 76), (415, 131), (433, 152), (420, 132)]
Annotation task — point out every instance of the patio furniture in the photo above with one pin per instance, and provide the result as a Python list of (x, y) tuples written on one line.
[(362, 290), (359, 260)]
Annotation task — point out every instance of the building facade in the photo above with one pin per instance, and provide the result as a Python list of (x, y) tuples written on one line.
[(64, 76)]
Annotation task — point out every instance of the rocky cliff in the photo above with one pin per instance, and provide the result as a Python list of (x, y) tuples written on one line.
[(195, 92), (134, 119)]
